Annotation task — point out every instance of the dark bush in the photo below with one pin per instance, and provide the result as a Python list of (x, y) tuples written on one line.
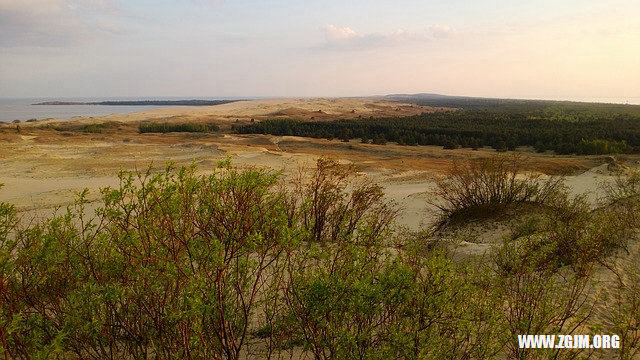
[(480, 188)]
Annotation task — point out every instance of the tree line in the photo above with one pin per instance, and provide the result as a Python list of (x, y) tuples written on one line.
[(583, 132)]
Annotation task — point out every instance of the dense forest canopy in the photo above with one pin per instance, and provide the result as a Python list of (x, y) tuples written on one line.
[(563, 127), (518, 105)]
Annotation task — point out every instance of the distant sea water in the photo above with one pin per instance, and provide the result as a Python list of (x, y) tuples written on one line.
[(22, 108)]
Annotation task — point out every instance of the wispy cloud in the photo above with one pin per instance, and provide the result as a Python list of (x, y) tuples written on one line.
[(441, 31), (209, 2), (348, 39), (55, 23), (335, 33), (106, 6)]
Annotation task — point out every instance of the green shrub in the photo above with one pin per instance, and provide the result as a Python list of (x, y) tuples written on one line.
[(89, 128), (600, 147), (622, 315), (348, 301), (175, 265), (333, 204), (570, 233), (538, 300), (171, 268), (624, 188), (94, 128)]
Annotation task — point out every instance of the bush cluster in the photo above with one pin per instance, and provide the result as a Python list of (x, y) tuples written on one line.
[(485, 186), (87, 128)]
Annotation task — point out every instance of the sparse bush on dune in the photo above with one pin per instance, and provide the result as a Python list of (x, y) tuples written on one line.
[(622, 315), (544, 270), (480, 188), (573, 235), (539, 300), (165, 127), (87, 128), (7, 217), (550, 262), (623, 190), (348, 294), (334, 204), (571, 232), (94, 128), (7, 246), (583, 236)]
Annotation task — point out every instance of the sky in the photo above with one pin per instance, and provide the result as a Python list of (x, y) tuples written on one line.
[(548, 49)]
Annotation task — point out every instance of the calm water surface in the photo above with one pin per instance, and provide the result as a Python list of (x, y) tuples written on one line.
[(22, 108)]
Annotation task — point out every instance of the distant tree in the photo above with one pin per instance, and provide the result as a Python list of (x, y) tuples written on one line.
[(379, 140), (500, 146), (451, 145)]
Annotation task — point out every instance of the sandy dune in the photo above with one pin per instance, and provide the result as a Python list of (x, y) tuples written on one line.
[(42, 167)]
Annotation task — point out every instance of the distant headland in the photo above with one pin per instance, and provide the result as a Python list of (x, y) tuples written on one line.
[(143, 103)]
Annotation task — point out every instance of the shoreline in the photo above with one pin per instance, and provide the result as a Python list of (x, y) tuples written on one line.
[(140, 103)]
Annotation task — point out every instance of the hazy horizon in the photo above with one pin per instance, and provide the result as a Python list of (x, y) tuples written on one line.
[(578, 50), (601, 100)]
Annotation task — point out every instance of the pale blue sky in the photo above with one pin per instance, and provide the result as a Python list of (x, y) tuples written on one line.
[(563, 49)]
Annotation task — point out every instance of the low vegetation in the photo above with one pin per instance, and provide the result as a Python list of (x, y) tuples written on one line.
[(164, 127), (96, 128), (241, 264), (571, 234), (623, 310), (625, 188)]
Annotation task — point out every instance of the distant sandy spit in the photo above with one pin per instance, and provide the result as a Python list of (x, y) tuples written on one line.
[(305, 109)]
